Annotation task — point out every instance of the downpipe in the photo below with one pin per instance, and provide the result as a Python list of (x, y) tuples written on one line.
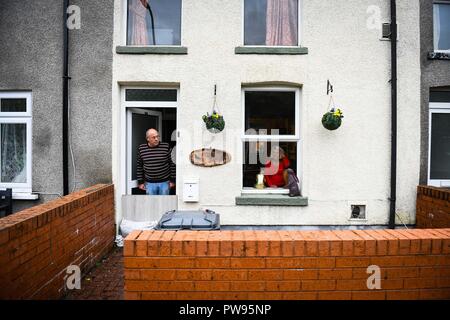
[(393, 194)]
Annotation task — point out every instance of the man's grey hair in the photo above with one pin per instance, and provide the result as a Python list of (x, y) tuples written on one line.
[(147, 132)]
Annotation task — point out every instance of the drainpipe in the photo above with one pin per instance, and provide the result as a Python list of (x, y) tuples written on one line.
[(65, 120), (393, 114)]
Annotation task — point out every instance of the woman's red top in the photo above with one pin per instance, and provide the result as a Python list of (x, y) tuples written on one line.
[(277, 178)]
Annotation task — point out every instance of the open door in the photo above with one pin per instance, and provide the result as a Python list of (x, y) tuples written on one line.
[(138, 122)]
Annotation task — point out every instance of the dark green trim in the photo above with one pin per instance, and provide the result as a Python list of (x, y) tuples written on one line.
[(269, 50), (270, 200), (150, 50)]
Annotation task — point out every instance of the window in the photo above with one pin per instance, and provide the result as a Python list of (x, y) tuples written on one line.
[(271, 22), (439, 145), (151, 95), (441, 17), (155, 22), (271, 121), (15, 136)]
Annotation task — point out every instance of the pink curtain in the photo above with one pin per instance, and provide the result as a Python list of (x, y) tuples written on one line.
[(281, 23), (137, 28)]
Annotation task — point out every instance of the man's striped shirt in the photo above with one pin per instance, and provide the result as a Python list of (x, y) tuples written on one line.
[(154, 164)]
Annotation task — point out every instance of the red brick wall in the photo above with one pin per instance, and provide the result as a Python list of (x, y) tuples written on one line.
[(38, 244), (433, 207), (415, 264)]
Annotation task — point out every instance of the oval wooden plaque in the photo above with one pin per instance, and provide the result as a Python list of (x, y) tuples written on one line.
[(208, 157)]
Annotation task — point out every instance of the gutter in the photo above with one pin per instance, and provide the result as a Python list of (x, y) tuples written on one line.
[(393, 194), (65, 110)]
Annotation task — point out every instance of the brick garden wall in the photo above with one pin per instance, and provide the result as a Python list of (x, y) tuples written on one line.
[(433, 207), (415, 264), (38, 244)]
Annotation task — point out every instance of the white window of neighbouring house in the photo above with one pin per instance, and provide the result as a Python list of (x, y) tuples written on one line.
[(271, 22), (153, 22), (271, 137), (439, 139), (15, 136), (441, 19)]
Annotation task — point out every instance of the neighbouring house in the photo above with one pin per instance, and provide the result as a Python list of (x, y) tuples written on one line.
[(31, 97), (435, 101), (268, 67)]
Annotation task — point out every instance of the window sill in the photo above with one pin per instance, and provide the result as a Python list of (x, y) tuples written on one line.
[(438, 55), (270, 200), (357, 220), (151, 50), (271, 50), (24, 196)]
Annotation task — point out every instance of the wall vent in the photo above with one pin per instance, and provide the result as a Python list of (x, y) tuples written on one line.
[(358, 211), (386, 31)]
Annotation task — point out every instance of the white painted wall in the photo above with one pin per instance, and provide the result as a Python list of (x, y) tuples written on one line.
[(349, 165)]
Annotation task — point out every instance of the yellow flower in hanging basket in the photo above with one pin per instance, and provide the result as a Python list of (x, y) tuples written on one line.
[(338, 113)]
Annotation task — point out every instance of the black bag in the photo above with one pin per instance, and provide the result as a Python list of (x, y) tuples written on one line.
[(293, 184)]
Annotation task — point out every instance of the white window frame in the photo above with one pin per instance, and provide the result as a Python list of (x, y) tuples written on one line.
[(281, 138), (439, 3), (26, 118), (436, 107), (299, 31), (125, 28), (124, 161)]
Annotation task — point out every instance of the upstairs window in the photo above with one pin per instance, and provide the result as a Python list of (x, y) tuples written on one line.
[(271, 22), (153, 22), (441, 18), (15, 136)]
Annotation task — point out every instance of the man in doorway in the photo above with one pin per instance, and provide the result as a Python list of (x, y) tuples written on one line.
[(155, 168)]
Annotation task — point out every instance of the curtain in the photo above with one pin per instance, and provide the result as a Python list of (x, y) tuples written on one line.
[(137, 25), (281, 23), (13, 152), (437, 25)]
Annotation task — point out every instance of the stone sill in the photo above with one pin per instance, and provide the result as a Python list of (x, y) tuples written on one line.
[(438, 55), (271, 200), (151, 50), (24, 196), (271, 50)]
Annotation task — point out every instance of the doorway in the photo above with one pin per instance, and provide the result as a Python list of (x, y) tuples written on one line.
[(139, 120), (146, 108)]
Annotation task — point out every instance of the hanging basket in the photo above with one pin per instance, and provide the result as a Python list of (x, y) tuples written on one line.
[(332, 119), (214, 123)]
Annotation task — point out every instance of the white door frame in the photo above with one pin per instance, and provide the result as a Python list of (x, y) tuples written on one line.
[(435, 107), (133, 183)]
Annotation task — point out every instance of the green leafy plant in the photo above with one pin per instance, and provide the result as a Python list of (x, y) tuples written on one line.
[(332, 119), (215, 122)]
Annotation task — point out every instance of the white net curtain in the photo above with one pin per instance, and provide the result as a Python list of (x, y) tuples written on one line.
[(13, 152)]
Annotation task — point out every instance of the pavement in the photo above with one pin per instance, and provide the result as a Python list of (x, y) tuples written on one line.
[(104, 282)]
